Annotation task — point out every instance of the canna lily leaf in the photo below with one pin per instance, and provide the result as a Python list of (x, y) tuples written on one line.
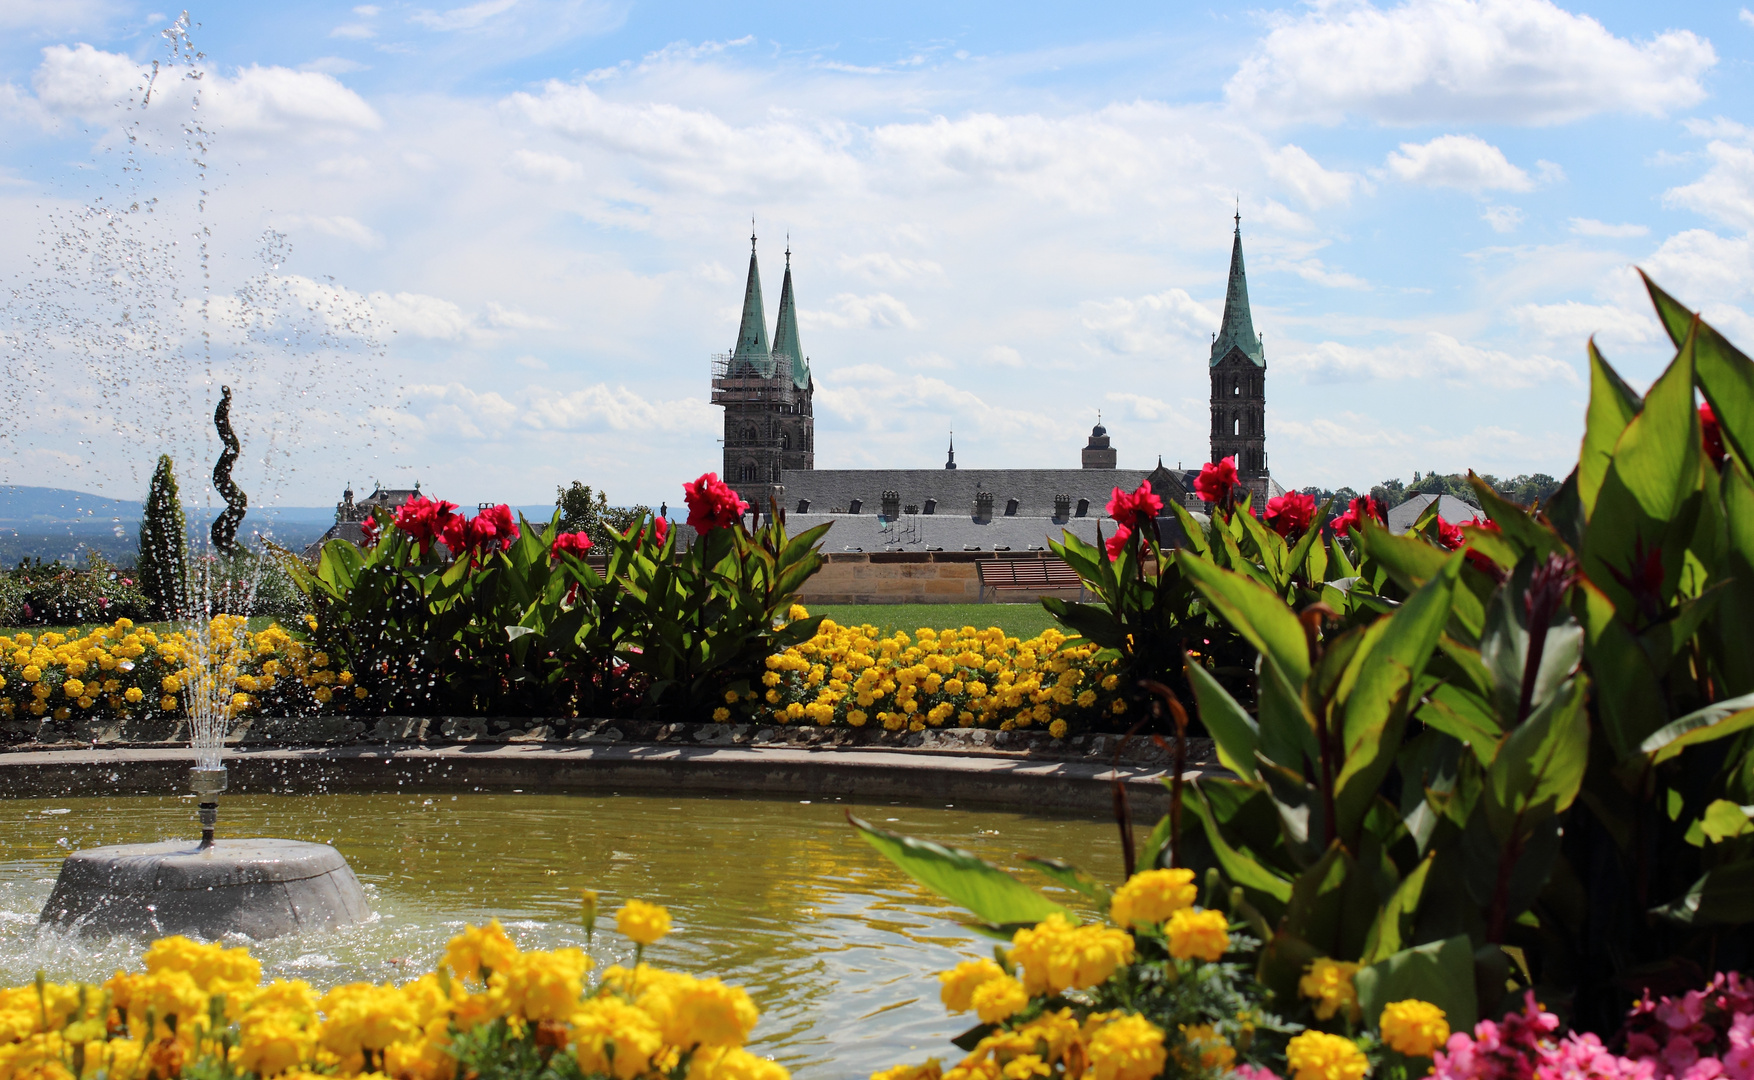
[(1540, 765), (1441, 972), (1726, 375), (995, 897), (1716, 721), (1233, 730), (1075, 879), (1723, 896), (1612, 406), (1256, 612), (1394, 923)]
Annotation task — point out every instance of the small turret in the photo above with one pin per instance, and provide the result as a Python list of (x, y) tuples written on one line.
[(1098, 454)]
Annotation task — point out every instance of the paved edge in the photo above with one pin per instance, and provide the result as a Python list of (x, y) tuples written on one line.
[(851, 775)]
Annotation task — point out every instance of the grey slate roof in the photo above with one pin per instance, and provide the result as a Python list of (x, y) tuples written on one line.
[(959, 532), (828, 490), (1452, 509)]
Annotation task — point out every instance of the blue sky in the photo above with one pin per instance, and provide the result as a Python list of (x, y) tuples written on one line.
[(517, 230)]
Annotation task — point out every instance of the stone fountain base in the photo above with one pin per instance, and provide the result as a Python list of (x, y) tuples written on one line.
[(259, 888)]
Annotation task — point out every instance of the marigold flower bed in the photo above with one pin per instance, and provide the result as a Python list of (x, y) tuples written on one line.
[(850, 675)]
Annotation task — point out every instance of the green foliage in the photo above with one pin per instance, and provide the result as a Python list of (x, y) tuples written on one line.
[(162, 567), (52, 594), (589, 512), (995, 897)]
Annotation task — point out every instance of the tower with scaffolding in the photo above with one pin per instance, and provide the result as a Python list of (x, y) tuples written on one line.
[(766, 391)]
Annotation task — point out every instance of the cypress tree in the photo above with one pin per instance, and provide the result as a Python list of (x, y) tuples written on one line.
[(163, 564)]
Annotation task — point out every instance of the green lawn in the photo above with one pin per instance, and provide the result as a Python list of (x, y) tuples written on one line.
[(1021, 620)]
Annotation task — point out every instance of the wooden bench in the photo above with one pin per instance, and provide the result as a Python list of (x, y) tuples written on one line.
[(1028, 575)]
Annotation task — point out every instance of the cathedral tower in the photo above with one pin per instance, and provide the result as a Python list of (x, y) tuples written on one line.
[(1239, 383), (766, 391)]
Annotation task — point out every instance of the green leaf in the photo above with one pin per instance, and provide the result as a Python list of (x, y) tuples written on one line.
[(1676, 319), (1394, 923), (1075, 879), (1256, 612), (1715, 721), (1723, 896), (1465, 717), (1613, 404), (1267, 890), (1412, 562), (1723, 819), (1318, 900), (1232, 729), (1540, 765), (1441, 973), (995, 897)]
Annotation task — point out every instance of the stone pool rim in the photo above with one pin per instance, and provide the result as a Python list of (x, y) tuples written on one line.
[(1007, 782)]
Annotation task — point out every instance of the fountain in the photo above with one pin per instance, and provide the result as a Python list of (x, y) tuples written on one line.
[(259, 888)]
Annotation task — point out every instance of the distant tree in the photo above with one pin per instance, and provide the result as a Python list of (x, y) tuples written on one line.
[(162, 567), (1529, 489), (1390, 493), (589, 512)]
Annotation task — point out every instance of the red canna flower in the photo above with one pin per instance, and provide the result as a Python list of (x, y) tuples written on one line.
[(1362, 507), (1449, 537), (1644, 578), (1118, 542), (1290, 514), (1713, 434), (492, 527), (573, 543), (660, 529), (1134, 508), (426, 520), (1481, 561), (370, 527), (1217, 483), (712, 504)]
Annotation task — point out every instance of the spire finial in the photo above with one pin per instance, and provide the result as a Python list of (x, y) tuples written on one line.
[(788, 249), (752, 234), (1238, 215)]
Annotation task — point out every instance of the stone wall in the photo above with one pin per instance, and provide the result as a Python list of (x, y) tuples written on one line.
[(916, 577)]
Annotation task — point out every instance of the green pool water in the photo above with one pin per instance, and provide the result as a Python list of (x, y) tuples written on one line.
[(839, 949)]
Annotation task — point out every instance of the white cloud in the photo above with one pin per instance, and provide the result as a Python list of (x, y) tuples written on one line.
[(1503, 219), (1315, 271), (506, 319), (1726, 191), (1003, 356), (1468, 61), (602, 408), (1572, 323), (338, 226), (1143, 408), (420, 315), (94, 85), (1316, 186), (1747, 16), (882, 267), (1431, 355), (1467, 162), (463, 18), (333, 65), (548, 168), (1158, 323), (879, 311), (1592, 227), (353, 31)]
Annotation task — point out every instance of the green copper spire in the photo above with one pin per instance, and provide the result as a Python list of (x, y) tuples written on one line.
[(1238, 327), (752, 334), (785, 332)]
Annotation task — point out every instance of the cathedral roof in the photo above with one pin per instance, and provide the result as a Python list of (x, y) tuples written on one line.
[(785, 332), (1238, 327), (752, 346)]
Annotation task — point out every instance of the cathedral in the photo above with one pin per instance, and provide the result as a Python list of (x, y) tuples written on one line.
[(769, 440)]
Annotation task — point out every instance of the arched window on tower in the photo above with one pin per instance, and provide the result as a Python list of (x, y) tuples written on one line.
[(1236, 426), (747, 472), (785, 440), (750, 437)]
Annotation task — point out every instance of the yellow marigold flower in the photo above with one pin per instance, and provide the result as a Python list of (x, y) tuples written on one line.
[(1328, 983), (1117, 707), (360, 1016), (1130, 1048), (1056, 956), (171, 684), (1150, 897), (1414, 1028), (323, 695), (271, 1043), (957, 986), (796, 612), (73, 688), (643, 922), (1316, 1055), (734, 1063), (998, 999), (931, 1070), (857, 717), (167, 703), (614, 1037), (730, 697), (721, 714), (1198, 935), (1086, 699), (361, 693), (1202, 1044), (1057, 729), (477, 948), (542, 985), (1109, 682)]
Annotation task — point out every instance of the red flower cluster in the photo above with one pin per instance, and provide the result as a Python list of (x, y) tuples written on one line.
[(370, 527), (426, 520), (1217, 483), (492, 527), (1135, 508), (1362, 507), (1479, 560), (1714, 434), (660, 529), (1450, 537), (1290, 514), (573, 543), (712, 504)]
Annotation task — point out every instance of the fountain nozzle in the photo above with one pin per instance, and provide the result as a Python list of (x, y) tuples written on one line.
[(208, 783)]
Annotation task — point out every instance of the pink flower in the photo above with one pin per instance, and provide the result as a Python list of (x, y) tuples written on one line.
[(712, 504), (573, 543), (1254, 1072), (1290, 514), (1217, 483), (1712, 433), (1118, 542), (1135, 508)]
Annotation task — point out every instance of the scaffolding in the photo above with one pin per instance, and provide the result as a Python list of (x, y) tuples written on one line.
[(738, 381)]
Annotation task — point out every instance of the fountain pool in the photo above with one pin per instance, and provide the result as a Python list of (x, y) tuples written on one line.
[(837, 947)]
